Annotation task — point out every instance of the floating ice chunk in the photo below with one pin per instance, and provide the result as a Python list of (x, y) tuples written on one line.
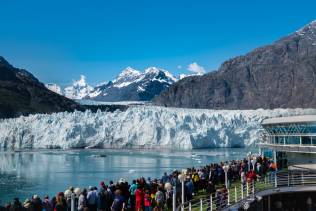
[(131, 171)]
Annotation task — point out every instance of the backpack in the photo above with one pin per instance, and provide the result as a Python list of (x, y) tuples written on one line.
[(159, 197), (117, 204)]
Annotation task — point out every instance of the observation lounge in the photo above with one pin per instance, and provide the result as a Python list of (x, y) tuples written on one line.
[(291, 141)]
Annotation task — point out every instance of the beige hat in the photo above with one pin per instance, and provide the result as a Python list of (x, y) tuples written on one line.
[(27, 203)]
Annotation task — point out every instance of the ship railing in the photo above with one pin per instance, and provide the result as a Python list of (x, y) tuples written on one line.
[(222, 198), (243, 192)]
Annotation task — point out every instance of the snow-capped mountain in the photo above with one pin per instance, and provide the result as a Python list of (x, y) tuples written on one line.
[(54, 87), (134, 85), (79, 89), (126, 77), (129, 85)]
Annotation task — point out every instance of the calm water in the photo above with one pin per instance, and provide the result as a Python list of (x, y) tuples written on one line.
[(23, 174)]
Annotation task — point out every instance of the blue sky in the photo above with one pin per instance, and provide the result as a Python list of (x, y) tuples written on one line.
[(59, 40)]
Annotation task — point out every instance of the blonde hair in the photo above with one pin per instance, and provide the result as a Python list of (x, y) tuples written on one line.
[(59, 200)]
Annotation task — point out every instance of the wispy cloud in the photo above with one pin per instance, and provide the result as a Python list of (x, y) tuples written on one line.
[(195, 68)]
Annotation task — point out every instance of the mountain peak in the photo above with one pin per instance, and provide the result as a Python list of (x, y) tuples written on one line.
[(79, 89), (4, 62), (152, 70), (30, 96), (311, 27), (155, 70), (129, 71), (81, 82)]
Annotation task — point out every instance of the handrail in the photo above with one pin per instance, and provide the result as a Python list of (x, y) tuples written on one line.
[(242, 192)]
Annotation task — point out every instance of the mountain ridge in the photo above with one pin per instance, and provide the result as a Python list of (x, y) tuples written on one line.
[(279, 75), (129, 85), (22, 94)]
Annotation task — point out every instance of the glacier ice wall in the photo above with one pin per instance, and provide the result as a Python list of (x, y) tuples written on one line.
[(139, 127)]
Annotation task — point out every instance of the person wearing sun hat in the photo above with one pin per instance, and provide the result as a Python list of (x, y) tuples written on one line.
[(27, 204), (68, 193)]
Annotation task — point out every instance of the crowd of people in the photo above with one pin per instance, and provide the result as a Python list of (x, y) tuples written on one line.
[(151, 194)]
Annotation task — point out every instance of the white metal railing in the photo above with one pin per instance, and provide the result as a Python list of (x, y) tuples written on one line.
[(221, 198), (240, 192)]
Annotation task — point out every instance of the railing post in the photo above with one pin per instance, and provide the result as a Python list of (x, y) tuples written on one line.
[(228, 197), (174, 198), (275, 179), (253, 188), (265, 181), (292, 180), (190, 206), (236, 194), (302, 177), (211, 203), (288, 179), (247, 189), (201, 204), (276, 167), (182, 194), (242, 191), (73, 202)]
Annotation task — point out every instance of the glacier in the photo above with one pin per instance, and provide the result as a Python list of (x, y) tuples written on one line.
[(139, 127)]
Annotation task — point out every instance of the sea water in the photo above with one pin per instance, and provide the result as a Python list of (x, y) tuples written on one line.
[(23, 174)]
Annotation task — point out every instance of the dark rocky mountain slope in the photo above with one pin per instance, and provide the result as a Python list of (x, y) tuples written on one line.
[(280, 75), (22, 94)]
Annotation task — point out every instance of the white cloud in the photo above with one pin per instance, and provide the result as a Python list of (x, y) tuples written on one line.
[(179, 67), (195, 68)]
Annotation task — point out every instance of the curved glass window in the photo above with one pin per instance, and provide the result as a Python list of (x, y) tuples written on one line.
[(287, 129)]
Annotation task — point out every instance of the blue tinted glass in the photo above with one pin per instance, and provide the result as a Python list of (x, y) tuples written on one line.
[(306, 140), (292, 129)]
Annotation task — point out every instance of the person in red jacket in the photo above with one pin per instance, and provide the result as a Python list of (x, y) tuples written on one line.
[(251, 176), (147, 201), (139, 196)]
